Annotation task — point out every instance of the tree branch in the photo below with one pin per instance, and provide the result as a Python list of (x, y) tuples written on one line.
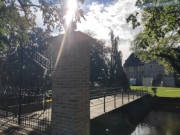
[(31, 5)]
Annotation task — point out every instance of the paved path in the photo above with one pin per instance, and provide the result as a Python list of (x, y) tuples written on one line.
[(97, 105), (9, 128)]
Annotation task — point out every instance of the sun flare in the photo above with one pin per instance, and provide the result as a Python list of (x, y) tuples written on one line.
[(72, 6)]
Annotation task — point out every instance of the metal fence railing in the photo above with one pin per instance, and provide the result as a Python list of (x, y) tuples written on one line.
[(33, 109), (112, 98), (36, 105)]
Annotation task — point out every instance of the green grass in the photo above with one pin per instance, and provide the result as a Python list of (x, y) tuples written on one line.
[(161, 91)]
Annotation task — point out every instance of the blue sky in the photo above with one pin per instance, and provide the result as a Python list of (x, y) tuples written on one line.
[(105, 2), (100, 1), (103, 15)]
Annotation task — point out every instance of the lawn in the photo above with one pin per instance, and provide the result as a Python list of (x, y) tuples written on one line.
[(161, 91)]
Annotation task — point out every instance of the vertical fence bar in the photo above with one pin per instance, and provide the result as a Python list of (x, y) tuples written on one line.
[(128, 95), (133, 94), (137, 93), (104, 101), (122, 98), (140, 93), (20, 89), (114, 99)]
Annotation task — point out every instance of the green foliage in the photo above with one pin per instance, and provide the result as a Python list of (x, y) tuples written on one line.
[(13, 28), (33, 75), (99, 63), (103, 71), (39, 38), (17, 18), (118, 77), (160, 37)]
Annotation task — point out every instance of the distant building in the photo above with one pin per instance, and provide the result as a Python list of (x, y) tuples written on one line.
[(147, 74)]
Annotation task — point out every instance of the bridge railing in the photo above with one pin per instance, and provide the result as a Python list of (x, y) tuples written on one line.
[(114, 97)]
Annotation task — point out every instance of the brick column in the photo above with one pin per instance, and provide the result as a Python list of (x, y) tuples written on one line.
[(71, 80)]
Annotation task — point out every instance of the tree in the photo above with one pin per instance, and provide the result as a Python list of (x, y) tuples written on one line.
[(159, 40), (17, 17), (118, 77), (33, 74), (99, 63), (12, 28)]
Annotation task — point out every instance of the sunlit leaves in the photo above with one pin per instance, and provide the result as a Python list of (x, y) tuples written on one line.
[(17, 17), (133, 20), (160, 37)]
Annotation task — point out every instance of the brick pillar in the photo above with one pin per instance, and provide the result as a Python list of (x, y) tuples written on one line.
[(71, 80)]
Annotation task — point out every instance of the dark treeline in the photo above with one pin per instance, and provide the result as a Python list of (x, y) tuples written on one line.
[(105, 63), (33, 75)]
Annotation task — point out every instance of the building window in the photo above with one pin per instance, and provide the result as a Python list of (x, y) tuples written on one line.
[(151, 66), (139, 75), (140, 68), (131, 69), (153, 76)]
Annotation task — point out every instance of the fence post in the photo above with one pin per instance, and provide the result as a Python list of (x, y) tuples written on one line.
[(104, 101), (114, 99), (20, 85), (133, 94), (128, 95), (122, 98), (140, 93), (137, 93)]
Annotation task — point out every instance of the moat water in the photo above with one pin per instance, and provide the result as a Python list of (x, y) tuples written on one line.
[(155, 123), (159, 123)]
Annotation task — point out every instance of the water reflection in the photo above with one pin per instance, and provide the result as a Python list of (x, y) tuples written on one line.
[(142, 129), (154, 123), (159, 123)]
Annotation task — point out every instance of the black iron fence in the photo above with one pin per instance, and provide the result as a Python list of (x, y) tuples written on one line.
[(25, 78), (33, 109)]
